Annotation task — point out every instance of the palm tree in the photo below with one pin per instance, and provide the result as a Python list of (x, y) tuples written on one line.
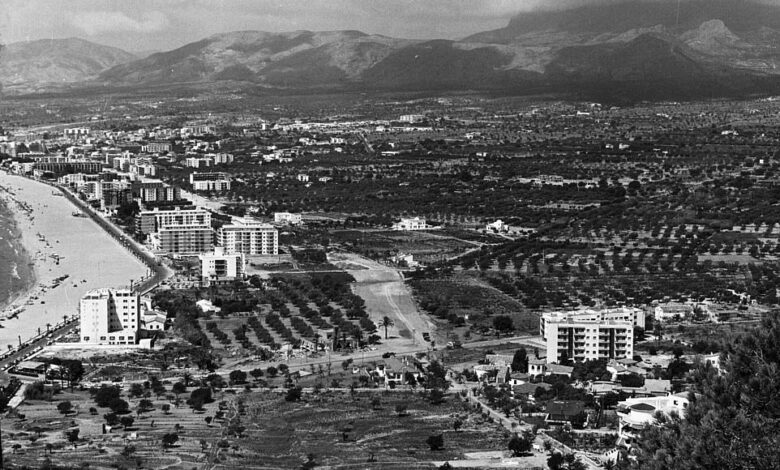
[(387, 322)]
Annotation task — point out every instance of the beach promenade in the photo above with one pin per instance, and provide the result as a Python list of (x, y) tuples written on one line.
[(71, 255)]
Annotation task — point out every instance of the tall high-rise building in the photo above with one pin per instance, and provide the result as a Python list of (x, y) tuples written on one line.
[(110, 316), (248, 236), (590, 334)]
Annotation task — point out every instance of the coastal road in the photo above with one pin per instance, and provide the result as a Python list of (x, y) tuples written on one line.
[(31, 346)]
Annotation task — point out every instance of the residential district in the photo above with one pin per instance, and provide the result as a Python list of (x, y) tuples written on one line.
[(474, 283)]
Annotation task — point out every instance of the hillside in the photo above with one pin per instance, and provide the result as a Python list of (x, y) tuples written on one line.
[(638, 50), (33, 65)]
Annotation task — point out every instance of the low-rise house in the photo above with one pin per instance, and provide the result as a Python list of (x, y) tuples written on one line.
[(636, 414), (557, 369), (527, 390), (537, 366), (563, 412), (153, 320), (415, 223)]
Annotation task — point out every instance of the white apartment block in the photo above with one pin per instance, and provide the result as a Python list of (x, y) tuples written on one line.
[(210, 181), (248, 236), (590, 334), (198, 162), (411, 224), (155, 220), (287, 218), (411, 118), (218, 266), (110, 316)]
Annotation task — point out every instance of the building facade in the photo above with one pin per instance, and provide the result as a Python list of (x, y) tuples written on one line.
[(287, 218), (249, 237), (110, 316), (411, 224), (213, 181), (149, 222), (185, 240), (218, 266), (590, 335)]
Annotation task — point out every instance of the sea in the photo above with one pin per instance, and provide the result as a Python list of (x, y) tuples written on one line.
[(16, 269)]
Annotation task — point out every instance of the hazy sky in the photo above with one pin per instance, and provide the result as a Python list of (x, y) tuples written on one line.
[(137, 25)]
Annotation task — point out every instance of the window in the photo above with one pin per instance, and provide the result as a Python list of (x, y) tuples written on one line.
[(111, 338), (102, 338), (86, 338)]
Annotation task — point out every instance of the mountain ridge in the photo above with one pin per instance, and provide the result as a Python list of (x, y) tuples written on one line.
[(712, 48)]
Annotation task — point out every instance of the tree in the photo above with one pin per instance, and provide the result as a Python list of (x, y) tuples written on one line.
[(436, 396), (199, 397), (386, 323), (65, 407), (111, 419), (166, 408), (126, 421), (521, 444), (520, 361), (400, 409), (179, 388), (293, 394), (119, 406), (503, 324), (435, 442), (256, 373), (145, 405), (72, 435), (169, 439), (136, 390), (105, 394), (238, 377), (457, 424), (271, 371), (731, 421)]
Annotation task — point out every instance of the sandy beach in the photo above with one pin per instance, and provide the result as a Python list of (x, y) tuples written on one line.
[(71, 255)]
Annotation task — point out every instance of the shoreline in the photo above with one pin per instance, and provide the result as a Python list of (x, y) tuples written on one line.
[(23, 261), (70, 255)]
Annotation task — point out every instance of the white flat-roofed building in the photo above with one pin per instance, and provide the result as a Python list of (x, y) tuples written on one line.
[(637, 414), (248, 236), (110, 316), (590, 334), (219, 266), (287, 218), (156, 219), (213, 181), (415, 223), (411, 118)]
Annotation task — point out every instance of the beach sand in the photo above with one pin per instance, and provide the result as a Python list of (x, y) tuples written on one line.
[(87, 255)]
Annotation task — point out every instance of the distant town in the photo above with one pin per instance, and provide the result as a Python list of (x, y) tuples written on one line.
[(483, 282)]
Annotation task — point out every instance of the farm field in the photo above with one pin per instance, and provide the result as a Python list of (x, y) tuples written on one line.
[(426, 247), (466, 294), (251, 430)]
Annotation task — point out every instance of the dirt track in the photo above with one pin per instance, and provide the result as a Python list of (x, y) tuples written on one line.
[(383, 289)]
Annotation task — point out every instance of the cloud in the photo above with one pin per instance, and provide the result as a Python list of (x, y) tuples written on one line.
[(97, 22)]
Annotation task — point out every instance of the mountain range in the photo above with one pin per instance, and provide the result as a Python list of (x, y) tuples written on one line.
[(630, 49)]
